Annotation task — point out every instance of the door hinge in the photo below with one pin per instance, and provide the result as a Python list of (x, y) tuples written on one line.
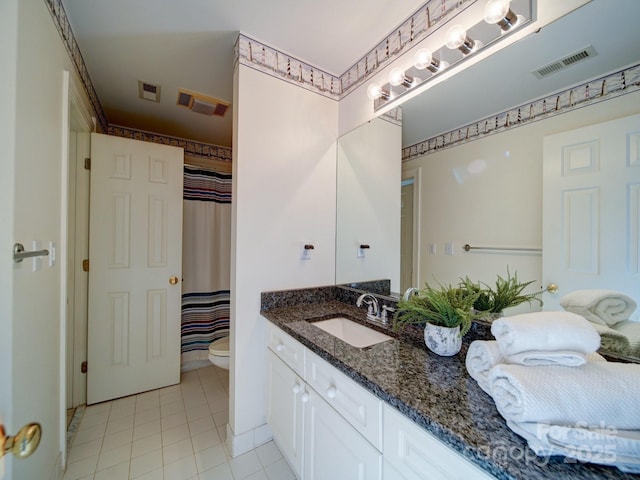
[(87, 163), (83, 367), (85, 265)]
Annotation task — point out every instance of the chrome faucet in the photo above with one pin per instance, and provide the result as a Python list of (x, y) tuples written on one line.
[(408, 292), (374, 313), (373, 307)]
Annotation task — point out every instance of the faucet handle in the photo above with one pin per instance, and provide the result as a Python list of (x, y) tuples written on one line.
[(386, 309)]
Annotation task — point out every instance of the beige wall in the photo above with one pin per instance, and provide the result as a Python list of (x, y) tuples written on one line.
[(283, 195), (501, 205)]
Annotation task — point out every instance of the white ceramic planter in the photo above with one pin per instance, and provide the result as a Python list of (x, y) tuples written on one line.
[(444, 341)]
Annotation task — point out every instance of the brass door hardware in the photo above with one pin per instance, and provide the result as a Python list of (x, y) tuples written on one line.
[(24, 443)]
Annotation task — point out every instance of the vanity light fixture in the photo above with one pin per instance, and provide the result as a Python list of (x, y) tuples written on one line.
[(398, 77), (375, 91), (468, 37), (499, 11), (424, 59), (457, 38)]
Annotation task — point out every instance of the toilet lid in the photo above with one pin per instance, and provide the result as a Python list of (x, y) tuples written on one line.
[(220, 347)]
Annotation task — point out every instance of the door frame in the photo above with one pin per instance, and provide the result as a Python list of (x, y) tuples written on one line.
[(73, 111), (415, 174)]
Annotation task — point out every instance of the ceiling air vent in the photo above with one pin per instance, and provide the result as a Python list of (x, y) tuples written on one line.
[(199, 103), (148, 91), (565, 62)]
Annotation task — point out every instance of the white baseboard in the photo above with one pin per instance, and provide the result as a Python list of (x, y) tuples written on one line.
[(246, 441)]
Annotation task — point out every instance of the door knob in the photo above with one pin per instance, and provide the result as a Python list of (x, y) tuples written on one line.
[(552, 288), (23, 444), (173, 280)]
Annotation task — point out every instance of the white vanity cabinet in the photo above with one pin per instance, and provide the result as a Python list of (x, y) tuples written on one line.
[(285, 410), (333, 449), (330, 428), (412, 453), (317, 440)]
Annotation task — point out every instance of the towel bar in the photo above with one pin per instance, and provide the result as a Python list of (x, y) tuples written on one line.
[(468, 247), (19, 253)]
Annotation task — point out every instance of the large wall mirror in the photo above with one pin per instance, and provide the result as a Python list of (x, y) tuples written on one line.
[(490, 192)]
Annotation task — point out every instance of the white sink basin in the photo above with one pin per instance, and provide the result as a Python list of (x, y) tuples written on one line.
[(351, 332)]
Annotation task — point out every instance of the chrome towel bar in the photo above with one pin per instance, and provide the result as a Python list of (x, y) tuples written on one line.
[(468, 247)]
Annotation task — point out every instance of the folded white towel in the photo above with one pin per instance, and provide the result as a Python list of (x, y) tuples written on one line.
[(594, 393), (592, 444), (606, 307), (483, 355), (551, 331)]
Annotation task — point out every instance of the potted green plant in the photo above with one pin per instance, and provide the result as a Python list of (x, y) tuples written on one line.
[(445, 312), (492, 301)]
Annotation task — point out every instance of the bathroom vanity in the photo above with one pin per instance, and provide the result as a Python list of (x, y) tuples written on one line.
[(392, 410)]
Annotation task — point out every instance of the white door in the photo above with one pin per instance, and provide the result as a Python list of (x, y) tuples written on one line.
[(284, 410), (591, 202), (333, 449), (135, 245)]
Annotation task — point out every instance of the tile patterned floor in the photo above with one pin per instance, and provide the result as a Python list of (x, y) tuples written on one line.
[(175, 433)]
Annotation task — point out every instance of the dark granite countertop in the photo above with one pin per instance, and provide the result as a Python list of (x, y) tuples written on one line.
[(435, 392)]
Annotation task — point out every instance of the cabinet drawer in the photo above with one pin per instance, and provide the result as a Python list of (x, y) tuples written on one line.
[(287, 348), (415, 454), (359, 407)]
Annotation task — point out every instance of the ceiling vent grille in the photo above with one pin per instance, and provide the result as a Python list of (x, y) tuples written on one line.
[(565, 62), (148, 91), (199, 103)]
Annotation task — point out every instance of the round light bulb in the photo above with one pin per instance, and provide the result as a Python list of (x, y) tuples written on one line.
[(422, 59), (374, 91), (496, 10), (456, 36), (396, 76)]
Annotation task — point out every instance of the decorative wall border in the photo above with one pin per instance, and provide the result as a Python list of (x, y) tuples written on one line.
[(603, 88), (424, 21), (254, 54), (192, 148), (61, 22), (420, 24)]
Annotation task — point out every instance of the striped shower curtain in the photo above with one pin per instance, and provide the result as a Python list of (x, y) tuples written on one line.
[(206, 247)]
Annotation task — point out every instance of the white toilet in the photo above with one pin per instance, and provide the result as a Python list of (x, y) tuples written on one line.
[(219, 352)]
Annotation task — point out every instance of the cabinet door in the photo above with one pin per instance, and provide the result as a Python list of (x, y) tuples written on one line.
[(411, 453), (333, 449), (284, 410)]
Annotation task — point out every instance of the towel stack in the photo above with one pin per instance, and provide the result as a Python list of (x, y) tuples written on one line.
[(556, 392), (609, 311)]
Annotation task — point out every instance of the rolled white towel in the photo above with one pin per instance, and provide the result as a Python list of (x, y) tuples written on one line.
[(595, 393), (547, 331), (483, 355), (606, 307), (568, 358), (592, 444)]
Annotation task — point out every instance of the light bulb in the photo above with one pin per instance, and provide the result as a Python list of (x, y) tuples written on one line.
[(374, 91), (396, 76), (496, 10), (422, 58), (456, 36)]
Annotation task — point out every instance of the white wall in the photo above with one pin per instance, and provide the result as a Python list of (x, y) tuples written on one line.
[(500, 206), (32, 210), (284, 189), (368, 198)]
